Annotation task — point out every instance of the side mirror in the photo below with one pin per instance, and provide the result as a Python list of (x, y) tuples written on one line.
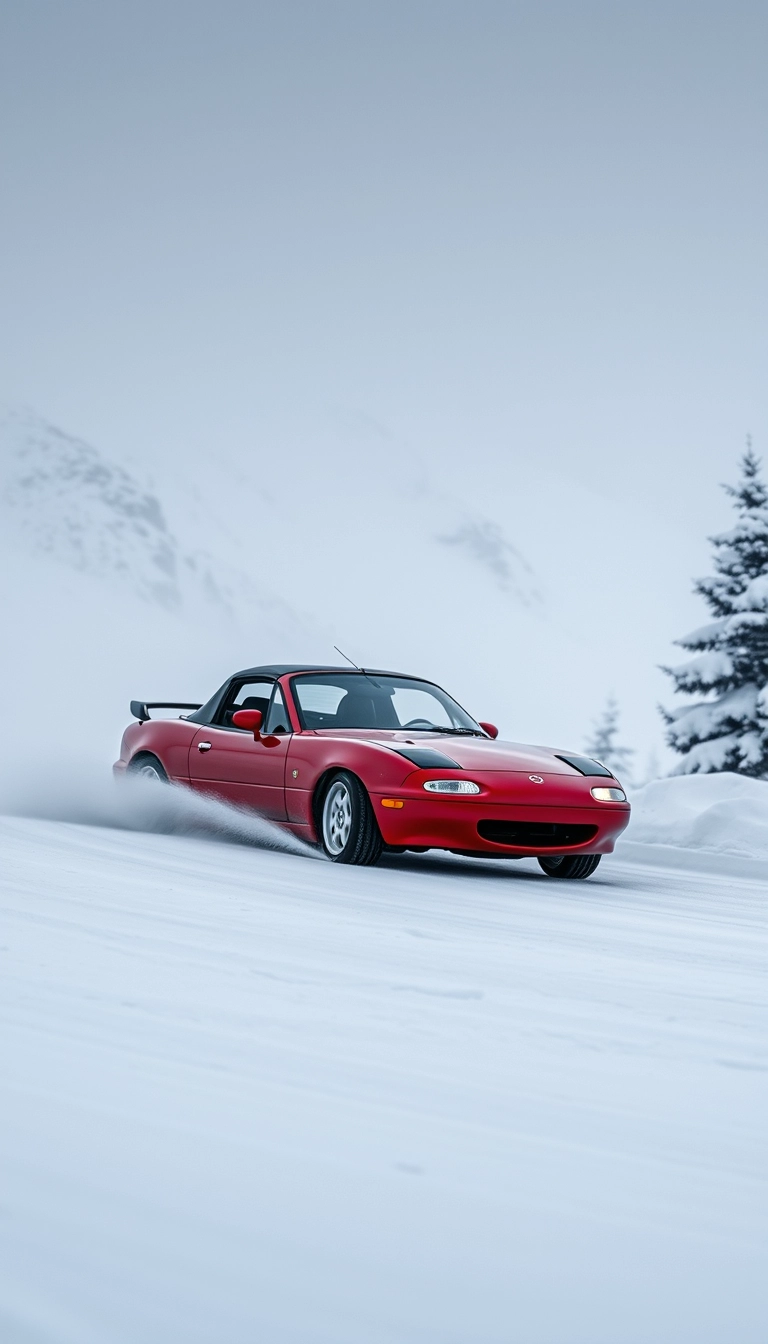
[(250, 719), (489, 728)]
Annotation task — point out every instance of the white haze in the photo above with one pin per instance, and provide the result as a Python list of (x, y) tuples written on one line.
[(113, 590), (431, 330)]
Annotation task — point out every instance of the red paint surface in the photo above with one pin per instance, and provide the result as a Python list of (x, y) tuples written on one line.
[(241, 769)]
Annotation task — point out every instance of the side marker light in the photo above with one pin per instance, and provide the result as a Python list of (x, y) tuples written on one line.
[(392, 802)]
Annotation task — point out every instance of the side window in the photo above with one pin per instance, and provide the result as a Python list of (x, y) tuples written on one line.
[(245, 695), (277, 718)]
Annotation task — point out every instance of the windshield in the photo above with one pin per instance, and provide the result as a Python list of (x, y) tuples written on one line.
[(361, 700)]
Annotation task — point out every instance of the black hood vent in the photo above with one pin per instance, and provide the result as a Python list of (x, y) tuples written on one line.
[(426, 758), (585, 765)]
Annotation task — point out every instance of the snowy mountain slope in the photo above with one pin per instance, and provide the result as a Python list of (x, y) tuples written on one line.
[(484, 541), (63, 499), (72, 505), (247, 1096)]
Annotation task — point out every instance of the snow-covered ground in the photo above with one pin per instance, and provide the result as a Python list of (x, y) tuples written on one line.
[(251, 1096)]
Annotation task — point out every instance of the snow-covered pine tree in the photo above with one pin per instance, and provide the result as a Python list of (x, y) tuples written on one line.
[(603, 745), (729, 729)]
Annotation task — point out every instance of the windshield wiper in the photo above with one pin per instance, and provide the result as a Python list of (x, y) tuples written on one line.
[(457, 732)]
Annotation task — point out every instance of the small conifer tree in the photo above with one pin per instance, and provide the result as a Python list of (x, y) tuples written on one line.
[(604, 746), (728, 730)]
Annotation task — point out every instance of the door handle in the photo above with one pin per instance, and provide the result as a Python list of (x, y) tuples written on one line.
[(203, 746)]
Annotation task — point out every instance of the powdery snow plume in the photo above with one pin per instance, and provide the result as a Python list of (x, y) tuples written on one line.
[(135, 804)]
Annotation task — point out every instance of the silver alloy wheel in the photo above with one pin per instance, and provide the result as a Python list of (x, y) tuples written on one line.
[(337, 817)]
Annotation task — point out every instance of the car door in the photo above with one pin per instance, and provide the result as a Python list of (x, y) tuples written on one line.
[(227, 762)]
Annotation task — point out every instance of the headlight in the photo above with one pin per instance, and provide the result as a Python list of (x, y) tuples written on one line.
[(609, 795), (451, 786)]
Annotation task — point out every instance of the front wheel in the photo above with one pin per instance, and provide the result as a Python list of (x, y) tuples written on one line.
[(348, 829), (570, 865)]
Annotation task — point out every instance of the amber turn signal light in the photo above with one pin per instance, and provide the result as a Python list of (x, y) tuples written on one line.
[(392, 802)]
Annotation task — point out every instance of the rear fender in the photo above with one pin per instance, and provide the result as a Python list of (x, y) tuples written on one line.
[(167, 739)]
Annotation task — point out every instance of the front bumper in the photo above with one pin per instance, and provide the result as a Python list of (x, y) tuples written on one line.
[(435, 822)]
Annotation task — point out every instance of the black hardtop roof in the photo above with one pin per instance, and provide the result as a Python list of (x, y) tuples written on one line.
[(281, 669)]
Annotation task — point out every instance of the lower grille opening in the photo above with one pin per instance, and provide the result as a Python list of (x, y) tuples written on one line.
[(535, 834)]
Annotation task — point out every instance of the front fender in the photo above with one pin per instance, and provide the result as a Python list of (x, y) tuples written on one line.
[(312, 758)]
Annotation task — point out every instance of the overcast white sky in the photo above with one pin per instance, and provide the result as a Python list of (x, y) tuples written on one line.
[(532, 232), (525, 227)]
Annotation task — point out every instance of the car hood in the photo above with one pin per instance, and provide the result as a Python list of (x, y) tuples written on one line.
[(470, 753)]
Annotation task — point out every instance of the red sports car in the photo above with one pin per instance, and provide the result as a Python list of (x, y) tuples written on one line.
[(363, 762)]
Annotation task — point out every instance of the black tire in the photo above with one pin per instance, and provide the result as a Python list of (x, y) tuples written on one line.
[(569, 865), (148, 766), (347, 828)]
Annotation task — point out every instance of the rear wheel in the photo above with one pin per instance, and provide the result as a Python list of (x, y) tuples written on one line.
[(570, 865), (348, 829), (148, 767)]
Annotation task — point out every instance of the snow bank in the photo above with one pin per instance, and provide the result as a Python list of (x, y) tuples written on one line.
[(720, 813)]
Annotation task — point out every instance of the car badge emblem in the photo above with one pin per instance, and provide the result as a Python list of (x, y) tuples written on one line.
[(536, 779)]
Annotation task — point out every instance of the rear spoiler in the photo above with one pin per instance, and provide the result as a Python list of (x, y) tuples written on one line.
[(140, 708)]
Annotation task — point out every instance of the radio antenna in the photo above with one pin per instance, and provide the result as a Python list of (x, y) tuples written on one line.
[(344, 655), (357, 668)]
